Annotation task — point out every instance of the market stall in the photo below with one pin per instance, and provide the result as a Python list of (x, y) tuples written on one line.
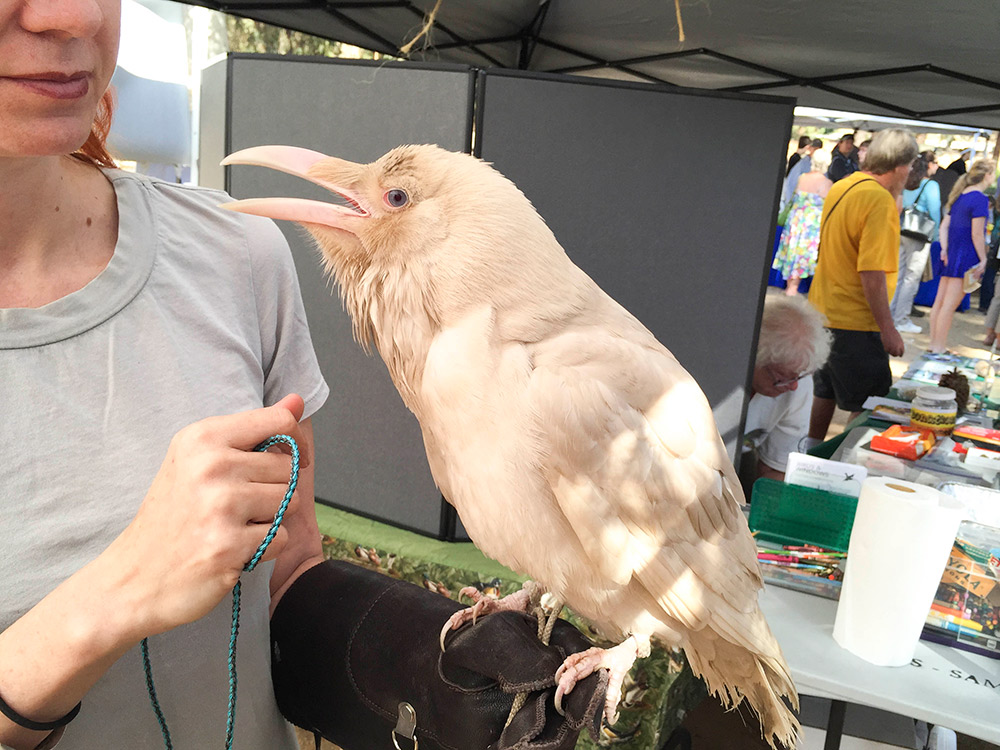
[(934, 436)]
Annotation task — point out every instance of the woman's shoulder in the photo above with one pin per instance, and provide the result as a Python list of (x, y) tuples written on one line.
[(185, 201), (163, 191), (930, 187), (973, 198), (980, 203), (184, 213)]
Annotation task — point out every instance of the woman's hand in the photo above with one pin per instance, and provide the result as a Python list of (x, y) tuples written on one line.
[(207, 511)]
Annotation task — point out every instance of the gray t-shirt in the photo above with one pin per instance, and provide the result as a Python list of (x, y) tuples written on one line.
[(197, 314)]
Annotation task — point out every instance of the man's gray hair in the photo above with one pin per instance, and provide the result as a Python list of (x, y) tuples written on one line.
[(792, 335), (890, 149)]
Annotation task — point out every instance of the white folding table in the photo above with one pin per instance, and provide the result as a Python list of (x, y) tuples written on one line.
[(942, 685)]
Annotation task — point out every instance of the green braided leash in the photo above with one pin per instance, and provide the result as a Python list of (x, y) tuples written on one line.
[(144, 645)]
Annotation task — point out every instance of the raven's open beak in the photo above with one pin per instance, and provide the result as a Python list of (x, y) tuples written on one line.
[(303, 163)]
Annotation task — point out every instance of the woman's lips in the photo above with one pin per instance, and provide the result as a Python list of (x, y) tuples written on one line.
[(56, 85)]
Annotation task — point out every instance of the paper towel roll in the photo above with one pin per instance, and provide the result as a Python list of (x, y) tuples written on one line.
[(899, 546)]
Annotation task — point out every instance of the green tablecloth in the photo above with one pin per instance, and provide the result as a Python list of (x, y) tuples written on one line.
[(659, 690)]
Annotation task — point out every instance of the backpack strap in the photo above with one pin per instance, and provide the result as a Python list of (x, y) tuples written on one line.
[(919, 193), (827, 217)]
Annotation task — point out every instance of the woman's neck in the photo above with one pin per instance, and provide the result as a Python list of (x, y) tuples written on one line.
[(58, 228)]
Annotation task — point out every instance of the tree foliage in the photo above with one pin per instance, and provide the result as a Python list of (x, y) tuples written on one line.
[(246, 35)]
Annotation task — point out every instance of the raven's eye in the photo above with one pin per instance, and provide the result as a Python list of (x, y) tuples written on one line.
[(397, 198)]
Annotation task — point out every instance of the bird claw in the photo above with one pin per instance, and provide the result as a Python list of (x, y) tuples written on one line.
[(481, 602), (609, 718), (448, 627), (576, 667), (557, 701), (572, 670)]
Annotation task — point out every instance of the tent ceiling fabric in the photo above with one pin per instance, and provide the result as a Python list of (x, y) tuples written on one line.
[(918, 59)]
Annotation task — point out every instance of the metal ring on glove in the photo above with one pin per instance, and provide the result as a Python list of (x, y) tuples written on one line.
[(406, 725)]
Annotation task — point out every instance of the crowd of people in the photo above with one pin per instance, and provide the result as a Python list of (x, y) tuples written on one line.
[(879, 220)]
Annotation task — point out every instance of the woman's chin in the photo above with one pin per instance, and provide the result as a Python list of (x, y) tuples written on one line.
[(48, 139)]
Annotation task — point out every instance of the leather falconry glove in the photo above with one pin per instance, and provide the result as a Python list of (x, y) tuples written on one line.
[(356, 659)]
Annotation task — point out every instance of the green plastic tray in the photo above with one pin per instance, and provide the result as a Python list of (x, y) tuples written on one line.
[(791, 514)]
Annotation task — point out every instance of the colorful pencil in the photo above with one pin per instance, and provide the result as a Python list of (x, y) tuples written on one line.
[(801, 566)]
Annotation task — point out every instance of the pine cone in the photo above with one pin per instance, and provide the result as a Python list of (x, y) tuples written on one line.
[(960, 384)]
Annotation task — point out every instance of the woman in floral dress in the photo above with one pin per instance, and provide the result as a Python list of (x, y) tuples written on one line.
[(799, 246)]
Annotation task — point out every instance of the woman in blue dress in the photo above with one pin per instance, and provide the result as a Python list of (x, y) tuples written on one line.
[(963, 246)]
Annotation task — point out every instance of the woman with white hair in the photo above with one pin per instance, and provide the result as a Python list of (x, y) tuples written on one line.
[(793, 343)]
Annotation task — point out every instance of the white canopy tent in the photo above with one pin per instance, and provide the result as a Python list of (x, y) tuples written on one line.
[(977, 141), (825, 118)]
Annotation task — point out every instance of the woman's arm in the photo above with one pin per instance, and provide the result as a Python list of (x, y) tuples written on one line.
[(933, 201), (53, 655), (943, 237), (979, 237), (207, 510)]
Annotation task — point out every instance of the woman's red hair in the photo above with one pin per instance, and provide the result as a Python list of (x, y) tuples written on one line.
[(95, 150)]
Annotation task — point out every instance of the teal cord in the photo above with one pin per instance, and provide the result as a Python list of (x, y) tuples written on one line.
[(144, 646), (151, 689)]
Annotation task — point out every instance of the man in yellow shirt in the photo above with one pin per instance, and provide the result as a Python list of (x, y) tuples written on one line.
[(856, 277)]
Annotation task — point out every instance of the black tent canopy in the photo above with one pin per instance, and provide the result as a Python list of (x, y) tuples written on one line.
[(917, 59)]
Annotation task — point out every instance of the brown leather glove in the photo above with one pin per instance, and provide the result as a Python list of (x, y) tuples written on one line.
[(350, 647)]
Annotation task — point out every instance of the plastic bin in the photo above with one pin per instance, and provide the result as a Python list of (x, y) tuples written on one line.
[(791, 514)]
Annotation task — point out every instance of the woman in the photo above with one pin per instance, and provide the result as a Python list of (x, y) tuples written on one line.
[(130, 308), (963, 246), (799, 246), (932, 165), (924, 194)]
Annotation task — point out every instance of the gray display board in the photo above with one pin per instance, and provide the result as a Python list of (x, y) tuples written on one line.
[(666, 198), (370, 455)]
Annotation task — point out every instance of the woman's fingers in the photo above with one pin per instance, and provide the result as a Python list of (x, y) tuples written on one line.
[(268, 467), (259, 503), (249, 429), (292, 402), (256, 533)]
